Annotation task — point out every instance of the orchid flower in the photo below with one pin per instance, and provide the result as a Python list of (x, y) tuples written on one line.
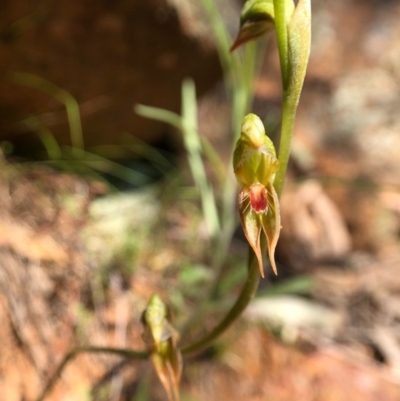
[(255, 165), (161, 340)]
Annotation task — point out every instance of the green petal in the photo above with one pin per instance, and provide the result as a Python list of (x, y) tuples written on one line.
[(254, 158), (243, 163), (267, 167)]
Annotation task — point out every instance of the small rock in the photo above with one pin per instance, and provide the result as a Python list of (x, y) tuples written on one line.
[(313, 230)]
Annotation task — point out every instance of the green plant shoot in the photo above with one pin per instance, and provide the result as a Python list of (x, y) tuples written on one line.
[(255, 165)]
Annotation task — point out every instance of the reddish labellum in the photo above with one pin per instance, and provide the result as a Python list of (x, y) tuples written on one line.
[(258, 198)]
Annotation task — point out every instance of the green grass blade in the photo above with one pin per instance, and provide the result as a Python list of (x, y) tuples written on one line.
[(158, 114), (70, 103), (193, 147)]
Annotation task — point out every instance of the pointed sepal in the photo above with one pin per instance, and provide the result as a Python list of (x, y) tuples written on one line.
[(271, 224), (251, 224), (168, 365)]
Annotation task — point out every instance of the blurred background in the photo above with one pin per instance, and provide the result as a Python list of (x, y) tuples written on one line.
[(104, 202)]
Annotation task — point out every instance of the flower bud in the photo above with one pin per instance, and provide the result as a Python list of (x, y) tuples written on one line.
[(258, 18)]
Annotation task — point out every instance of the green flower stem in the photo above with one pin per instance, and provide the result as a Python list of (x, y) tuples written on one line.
[(282, 39), (79, 350), (192, 143), (288, 106), (240, 305), (288, 118)]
